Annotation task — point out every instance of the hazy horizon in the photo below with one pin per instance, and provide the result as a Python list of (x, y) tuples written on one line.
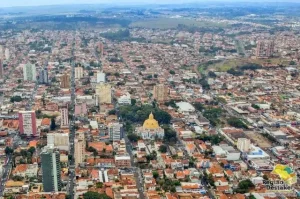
[(15, 3)]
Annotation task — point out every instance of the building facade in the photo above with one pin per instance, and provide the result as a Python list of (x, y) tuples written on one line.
[(1, 69), (29, 72), (65, 81), (125, 99), (150, 129), (43, 76), (64, 113), (100, 77), (122, 161), (27, 123), (244, 145), (103, 90), (78, 72), (79, 148), (50, 159), (160, 92), (115, 131)]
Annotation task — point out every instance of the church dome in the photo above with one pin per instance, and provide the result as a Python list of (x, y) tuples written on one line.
[(151, 123)]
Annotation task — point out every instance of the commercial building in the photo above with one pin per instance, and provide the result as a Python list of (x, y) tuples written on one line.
[(43, 76), (115, 131), (79, 148), (80, 108), (100, 77), (160, 92), (29, 72), (58, 140), (122, 161), (50, 159), (125, 99), (64, 113), (78, 72), (244, 145), (103, 90), (27, 123), (65, 81), (1, 69)]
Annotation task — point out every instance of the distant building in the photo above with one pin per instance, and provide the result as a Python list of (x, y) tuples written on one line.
[(122, 161), (64, 117), (100, 77), (115, 131), (1, 69), (160, 92), (125, 99), (7, 54), (27, 123), (265, 49), (103, 90), (150, 129), (43, 76), (58, 140), (101, 49), (78, 72), (50, 159), (65, 81), (79, 148), (244, 144), (29, 72)]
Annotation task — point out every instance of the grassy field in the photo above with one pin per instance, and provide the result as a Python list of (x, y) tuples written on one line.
[(168, 23)]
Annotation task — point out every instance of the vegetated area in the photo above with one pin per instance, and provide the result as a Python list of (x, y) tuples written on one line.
[(170, 23), (237, 66), (121, 35)]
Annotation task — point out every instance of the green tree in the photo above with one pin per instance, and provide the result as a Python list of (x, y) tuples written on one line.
[(235, 122), (199, 106), (99, 185), (95, 195), (245, 186), (31, 150), (112, 112), (172, 72), (8, 150), (163, 148), (155, 174), (16, 99), (133, 137), (133, 102), (52, 125)]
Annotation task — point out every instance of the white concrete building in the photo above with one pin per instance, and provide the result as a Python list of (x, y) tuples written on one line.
[(29, 72), (100, 77), (58, 140), (243, 144), (125, 99), (64, 117), (78, 72), (115, 131)]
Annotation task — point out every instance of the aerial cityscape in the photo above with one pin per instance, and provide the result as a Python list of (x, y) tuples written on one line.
[(149, 100)]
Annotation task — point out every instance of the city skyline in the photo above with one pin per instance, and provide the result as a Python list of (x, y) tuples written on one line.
[(20, 3)]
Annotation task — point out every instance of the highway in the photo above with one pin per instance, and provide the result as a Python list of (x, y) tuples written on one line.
[(71, 182)]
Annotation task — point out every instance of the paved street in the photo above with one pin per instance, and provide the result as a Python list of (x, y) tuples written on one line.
[(6, 170)]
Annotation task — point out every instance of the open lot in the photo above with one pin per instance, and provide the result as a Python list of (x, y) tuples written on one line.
[(259, 139), (168, 23)]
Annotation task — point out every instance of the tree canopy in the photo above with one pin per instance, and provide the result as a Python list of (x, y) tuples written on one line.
[(235, 122), (95, 195)]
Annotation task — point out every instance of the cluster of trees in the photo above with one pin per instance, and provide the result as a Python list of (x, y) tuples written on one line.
[(170, 136), (167, 184), (240, 70), (214, 139), (163, 148), (213, 115), (26, 155), (171, 103), (151, 156), (138, 114), (121, 35), (16, 99), (245, 186), (237, 123), (95, 195)]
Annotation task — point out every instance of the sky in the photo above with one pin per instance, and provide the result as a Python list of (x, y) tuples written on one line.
[(12, 3)]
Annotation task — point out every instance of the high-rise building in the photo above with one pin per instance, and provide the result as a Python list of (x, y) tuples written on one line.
[(1, 69), (1, 52), (58, 140), (244, 144), (81, 108), (65, 81), (101, 48), (27, 123), (260, 49), (50, 159), (78, 72), (29, 72), (7, 54), (79, 148), (64, 113), (160, 92), (103, 90), (43, 76), (100, 77), (115, 131), (270, 49)]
